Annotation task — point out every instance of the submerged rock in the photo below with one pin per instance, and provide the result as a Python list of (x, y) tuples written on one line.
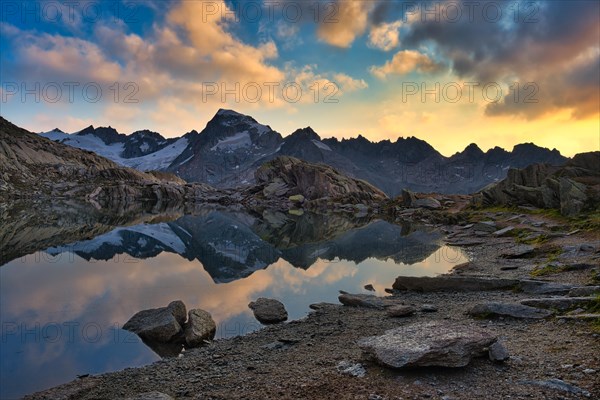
[(200, 327), (268, 311), (435, 343), (158, 324)]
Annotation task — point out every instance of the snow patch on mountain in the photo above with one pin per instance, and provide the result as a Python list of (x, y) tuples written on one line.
[(321, 145), (234, 142), (160, 159)]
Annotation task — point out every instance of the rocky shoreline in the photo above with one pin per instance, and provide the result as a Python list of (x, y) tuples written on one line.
[(533, 288)]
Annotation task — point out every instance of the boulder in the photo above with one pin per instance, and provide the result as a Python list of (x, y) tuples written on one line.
[(494, 309), (200, 327), (435, 343), (268, 311), (361, 300), (159, 324), (452, 283)]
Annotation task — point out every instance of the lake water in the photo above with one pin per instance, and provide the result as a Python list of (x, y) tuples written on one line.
[(62, 307)]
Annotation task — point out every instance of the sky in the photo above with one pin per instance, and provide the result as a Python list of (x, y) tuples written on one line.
[(494, 73)]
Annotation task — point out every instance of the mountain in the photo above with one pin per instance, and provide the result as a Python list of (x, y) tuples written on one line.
[(34, 167), (232, 146)]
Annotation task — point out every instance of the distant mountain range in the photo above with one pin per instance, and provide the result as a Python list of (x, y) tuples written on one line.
[(232, 146)]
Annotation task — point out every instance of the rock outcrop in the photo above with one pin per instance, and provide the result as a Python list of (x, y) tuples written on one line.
[(317, 183), (572, 188)]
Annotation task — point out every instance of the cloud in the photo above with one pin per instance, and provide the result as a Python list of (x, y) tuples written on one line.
[(405, 62), (349, 21), (385, 36), (348, 84), (541, 49)]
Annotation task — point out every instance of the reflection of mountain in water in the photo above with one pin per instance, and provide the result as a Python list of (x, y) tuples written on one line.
[(232, 245)]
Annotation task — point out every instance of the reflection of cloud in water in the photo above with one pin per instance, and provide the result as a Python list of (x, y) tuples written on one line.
[(108, 293)]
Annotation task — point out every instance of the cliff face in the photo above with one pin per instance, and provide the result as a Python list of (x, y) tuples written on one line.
[(572, 188)]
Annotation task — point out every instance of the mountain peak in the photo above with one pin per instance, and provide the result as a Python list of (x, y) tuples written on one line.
[(228, 113), (305, 133)]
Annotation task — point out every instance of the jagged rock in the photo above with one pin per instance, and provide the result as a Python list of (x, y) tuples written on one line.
[(584, 291), (200, 327), (159, 324), (452, 283), (268, 311), (435, 343), (315, 182), (493, 309), (369, 287), (400, 311), (572, 188), (361, 300), (498, 352), (559, 303)]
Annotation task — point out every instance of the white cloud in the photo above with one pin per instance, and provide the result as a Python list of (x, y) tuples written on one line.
[(404, 62), (385, 36)]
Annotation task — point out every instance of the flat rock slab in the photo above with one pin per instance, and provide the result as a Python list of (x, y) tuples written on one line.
[(361, 300), (268, 311), (558, 384), (452, 283), (158, 324), (540, 287), (518, 251), (465, 242), (429, 344), (151, 396), (492, 309), (559, 303), (584, 291)]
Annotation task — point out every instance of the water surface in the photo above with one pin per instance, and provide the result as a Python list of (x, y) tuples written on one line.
[(62, 307)]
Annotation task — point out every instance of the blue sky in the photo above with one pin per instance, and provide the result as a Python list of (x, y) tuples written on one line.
[(164, 65)]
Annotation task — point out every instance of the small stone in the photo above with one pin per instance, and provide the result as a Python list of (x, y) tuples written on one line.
[(503, 231), (352, 369), (428, 308), (400, 311), (589, 371), (498, 352), (369, 287), (361, 300)]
